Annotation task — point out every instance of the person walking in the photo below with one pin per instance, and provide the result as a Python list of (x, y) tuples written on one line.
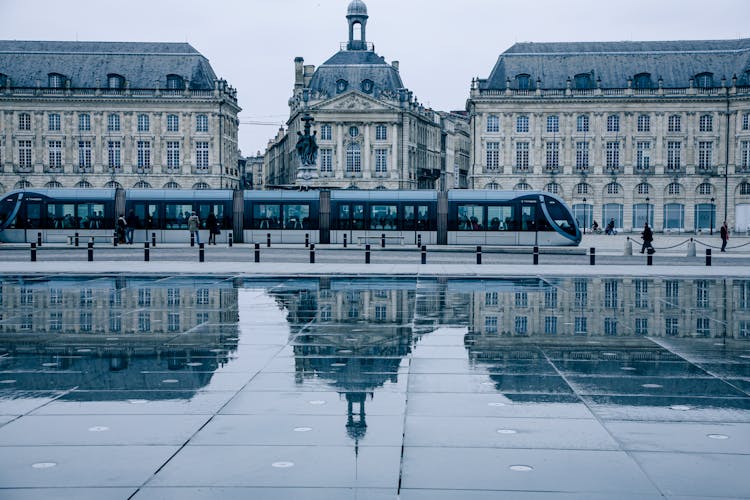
[(132, 221), (648, 236), (194, 226), (213, 226), (724, 236), (122, 225)]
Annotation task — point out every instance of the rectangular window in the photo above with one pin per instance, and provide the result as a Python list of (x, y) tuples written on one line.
[(490, 298), (642, 155), (641, 293), (201, 155), (201, 123), (55, 321), (84, 122), (84, 154), (671, 327), (641, 326), (675, 123), (325, 133), (381, 161), (144, 297), (173, 123), (610, 294), (173, 154), (114, 155), (143, 123), (173, 322), (53, 120), (613, 155), (522, 299), (113, 123), (55, 154), (705, 154), (85, 321), (550, 298), (173, 296), (672, 293), (553, 124), (24, 121), (144, 322), (326, 160), (673, 155), (490, 324), (644, 123), (613, 123), (706, 123), (144, 154), (745, 155), (610, 326), (581, 293), (550, 325), (703, 327), (522, 156), (522, 124), (55, 296), (521, 325), (493, 123), (493, 155), (353, 158), (582, 123), (582, 155), (580, 325), (745, 121), (701, 294), (553, 154)]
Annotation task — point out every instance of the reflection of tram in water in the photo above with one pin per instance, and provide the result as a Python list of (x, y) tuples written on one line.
[(405, 217)]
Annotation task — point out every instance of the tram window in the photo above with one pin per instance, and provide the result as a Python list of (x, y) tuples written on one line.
[(6, 209), (528, 217), (266, 216), (423, 218), (92, 216), (177, 215), (501, 218), (296, 216), (410, 219), (358, 217), (344, 222), (560, 216), (470, 218), (217, 209), (147, 216), (59, 216), (383, 216)]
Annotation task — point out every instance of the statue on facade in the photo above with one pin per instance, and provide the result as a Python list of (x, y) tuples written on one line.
[(307, 147)]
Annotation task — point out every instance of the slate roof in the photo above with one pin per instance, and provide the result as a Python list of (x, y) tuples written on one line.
[(141, 63), (614, 62), (355, 66)]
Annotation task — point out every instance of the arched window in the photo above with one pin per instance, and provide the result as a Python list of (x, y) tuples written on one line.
[(642, 81), (353, 158), (171, 185), (523, 81), (142, 185), (494, 186), (174, 82), (201, 185), (642, 188), (583, 81), (53, 184), (612, 188), (674, 188), (522, 186), (55, 80), (22, 184), (115, 81), (705, 188), (84, 185), (113, 185), (582, 188), (704, 80), (745, 188), (552, 187)]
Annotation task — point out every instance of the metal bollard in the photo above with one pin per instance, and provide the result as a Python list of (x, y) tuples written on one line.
[(257, 252), (268, 239), (367, 254), (312, 254), (479, 254), (649, 260), (382, 240), (146, 256), (75, 238), (307, 240), (344, 241), (536, 256), (691, 248), (708, 257), (33, 252), (230, 239), (201, 252), (114, 240), (39, 239), (424, 254), (419, 240), (192, 239), (592, 256), (628, 246), (153, 240), (91, 251)]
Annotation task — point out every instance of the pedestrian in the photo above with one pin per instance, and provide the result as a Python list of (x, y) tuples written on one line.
[(194, 226), (213, 227), (132, 221), (122, 224), (724, 236), (648, 236)]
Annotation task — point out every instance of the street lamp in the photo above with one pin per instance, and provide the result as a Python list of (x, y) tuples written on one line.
[(713, 212), (585, 210)]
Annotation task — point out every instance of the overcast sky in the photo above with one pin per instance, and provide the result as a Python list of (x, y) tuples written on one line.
[(441, 45)]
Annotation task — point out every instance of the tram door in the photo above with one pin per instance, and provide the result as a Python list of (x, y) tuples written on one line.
[(528, 230)]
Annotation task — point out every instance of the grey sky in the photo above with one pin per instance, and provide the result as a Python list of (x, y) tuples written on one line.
[(441, 45)]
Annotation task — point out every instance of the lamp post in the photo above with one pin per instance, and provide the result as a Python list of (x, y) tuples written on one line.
[(585, 211), (713, 212)]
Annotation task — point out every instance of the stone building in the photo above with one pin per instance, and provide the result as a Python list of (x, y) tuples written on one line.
[(108, 114), (371, 131), (630, 131)]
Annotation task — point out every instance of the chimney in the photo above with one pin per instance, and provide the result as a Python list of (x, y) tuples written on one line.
[(299, 63)]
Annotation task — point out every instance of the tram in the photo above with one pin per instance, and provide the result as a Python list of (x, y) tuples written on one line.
[(408, 217)]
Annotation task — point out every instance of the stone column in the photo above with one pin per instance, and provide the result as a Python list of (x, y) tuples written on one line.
[(366, 154)]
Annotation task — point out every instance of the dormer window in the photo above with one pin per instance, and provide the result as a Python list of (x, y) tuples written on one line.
[(704, 80), (115, 81), (642, 81), (523, 82), (582, 81), (367, 86), (341, 85), (174, 82), (55, 81)]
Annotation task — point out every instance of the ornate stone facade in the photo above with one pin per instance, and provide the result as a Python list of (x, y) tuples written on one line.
[(91, 114), (631, 131)]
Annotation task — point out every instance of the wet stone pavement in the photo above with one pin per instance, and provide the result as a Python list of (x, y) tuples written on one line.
[(328, 388)]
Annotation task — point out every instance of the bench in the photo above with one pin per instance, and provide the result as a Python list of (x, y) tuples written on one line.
[(379, 239), (85, 238)]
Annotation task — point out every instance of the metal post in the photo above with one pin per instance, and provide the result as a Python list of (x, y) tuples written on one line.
[(91, 251), (307, 240), (419, 240), (424, 254), (649, 260), (146, 256), (708, 256), (536, 256), (201, 252), (33, 252), (153, 240), (479, 254), (312, 254), (230, 239), (592, 256), (344, 241), (257, 252), (114, 240), (76, 239), (192, 239), (382, 240), (367, 254), (268, 239), (39, 239)]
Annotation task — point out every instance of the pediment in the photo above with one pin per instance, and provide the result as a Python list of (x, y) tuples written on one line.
[(352, 101)]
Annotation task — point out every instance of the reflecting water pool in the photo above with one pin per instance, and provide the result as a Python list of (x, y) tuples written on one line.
[(371, 388)]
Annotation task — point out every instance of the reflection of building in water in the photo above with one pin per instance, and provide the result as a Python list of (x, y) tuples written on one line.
[(657, 307), (116, 334)]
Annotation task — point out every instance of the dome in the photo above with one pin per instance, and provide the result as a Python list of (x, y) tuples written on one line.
[(357, 8)]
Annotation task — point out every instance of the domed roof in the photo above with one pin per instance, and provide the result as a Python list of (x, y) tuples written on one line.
[(357, 8), (362, 70)]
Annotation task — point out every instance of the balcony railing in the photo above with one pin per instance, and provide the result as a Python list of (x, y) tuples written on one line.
[(706, 169), (552, 169)]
